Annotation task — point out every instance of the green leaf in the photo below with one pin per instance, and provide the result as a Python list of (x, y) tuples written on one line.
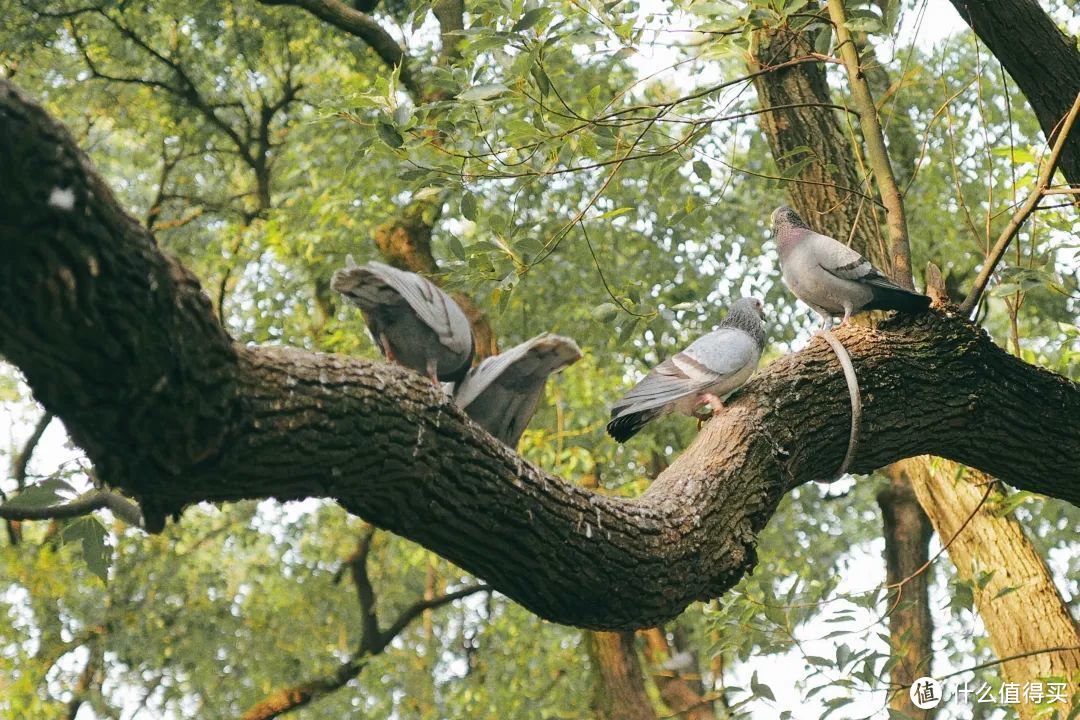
[(614, 213), (761, 690), (529, 19), (819, 661), (863, 24), (823, 42), (605, 311), (389, 134), (482, 92), (468, 206), (543, 82), (456, 247), (91, 534), (702, 170), (1005, 591), (42, 494)]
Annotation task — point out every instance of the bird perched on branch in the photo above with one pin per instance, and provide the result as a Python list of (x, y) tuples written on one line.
[(707, 371), (502, 392), (832, 278), (413, 322)]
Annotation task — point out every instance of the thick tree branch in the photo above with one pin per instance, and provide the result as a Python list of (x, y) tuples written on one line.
[(363, 26), (1041, 59), (119, 341)]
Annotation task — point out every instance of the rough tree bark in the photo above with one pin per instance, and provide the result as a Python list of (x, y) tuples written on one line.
[(620, 685), (988, 542), (118, 340), (1039, 58), (907, 538)]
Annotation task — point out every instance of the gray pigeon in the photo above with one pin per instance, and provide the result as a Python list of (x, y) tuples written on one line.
[(501, 393), (832, 278), (413, 322), (709, 370)]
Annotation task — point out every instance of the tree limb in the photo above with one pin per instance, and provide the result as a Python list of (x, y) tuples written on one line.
[(118, 340), (363, 26), (82, 505)]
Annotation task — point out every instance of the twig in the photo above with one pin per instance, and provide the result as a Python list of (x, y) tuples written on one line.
[(83, 505), (22, 460), (876, 152), (1018, 656), (1018, 218)]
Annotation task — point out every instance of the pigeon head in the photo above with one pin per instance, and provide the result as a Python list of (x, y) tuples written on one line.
[(788, 228), (784, 217), (748, 314)]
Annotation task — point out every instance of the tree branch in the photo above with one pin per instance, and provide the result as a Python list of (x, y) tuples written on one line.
[(82, 505), (419, 607), (877, 153), (119, 341), (297, 696), (21, 461), (1041, 59), (363, 26)]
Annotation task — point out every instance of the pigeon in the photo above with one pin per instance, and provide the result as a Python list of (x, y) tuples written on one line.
[(413, 322), (707, 371), (501, 393), (832, 278)]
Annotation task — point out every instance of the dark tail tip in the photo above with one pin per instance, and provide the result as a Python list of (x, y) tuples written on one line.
[(624, 427), (900, 300)]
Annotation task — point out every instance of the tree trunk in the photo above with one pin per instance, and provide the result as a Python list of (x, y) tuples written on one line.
[(1020, 606), (1039, 57), (907, 548), (830, 191), (620, 685), (685, 700)]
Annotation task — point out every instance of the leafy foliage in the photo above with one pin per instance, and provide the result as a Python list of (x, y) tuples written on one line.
[(566, 188)]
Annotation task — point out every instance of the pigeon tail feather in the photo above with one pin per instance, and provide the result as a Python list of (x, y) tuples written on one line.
[(627, 425), (887, 298)]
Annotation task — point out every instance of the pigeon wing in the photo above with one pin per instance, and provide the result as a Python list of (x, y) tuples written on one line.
[(838, 259), (502, 392), (705, 364), (432, 306)]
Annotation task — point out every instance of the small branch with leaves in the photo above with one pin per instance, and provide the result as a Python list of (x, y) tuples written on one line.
[(85, 504), (373, 640), (1041, 190)]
